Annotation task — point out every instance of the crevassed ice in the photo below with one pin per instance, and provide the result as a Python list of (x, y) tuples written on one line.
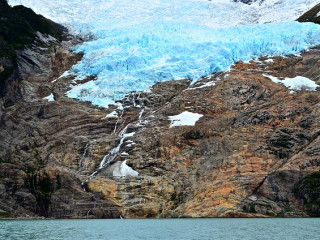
[(140, 42), (133, 58)]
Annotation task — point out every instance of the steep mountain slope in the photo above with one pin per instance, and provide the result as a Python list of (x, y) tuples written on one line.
[(251, 149), (313, 15), (19, 27)]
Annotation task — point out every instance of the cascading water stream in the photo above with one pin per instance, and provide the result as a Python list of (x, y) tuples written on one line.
[(83, 156), (114, 152), (115, 127), (112, 155), (94, 204), (140, 115)]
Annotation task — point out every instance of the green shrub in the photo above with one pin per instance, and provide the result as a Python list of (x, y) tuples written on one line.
[(18, 28)]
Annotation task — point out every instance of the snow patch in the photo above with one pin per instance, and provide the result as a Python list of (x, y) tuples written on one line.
[(208, 84), (269, 60), (124, 154), (113, 114), (124, 171), (184, 119), (50, 98), (297, 83), (65, 74)]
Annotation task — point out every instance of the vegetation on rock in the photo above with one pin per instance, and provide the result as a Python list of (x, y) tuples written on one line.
[(308, 190), (311, 16), (18, 28)]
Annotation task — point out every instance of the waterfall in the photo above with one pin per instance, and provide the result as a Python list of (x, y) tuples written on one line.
[(111, 156), (83, 186), (83, 156), (140, 115), (115, 127), (94, 204), (88, 212)]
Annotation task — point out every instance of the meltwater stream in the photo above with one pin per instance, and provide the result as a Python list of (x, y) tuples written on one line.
[(83, 156), (112, 155), (109, 158), (115, 151)]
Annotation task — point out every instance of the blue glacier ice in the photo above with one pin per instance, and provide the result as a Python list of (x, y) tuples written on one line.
[(132, 58)]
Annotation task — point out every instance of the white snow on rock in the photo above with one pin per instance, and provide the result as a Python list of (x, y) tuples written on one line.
[(124, 171), (65, 74), (184, 119), (124, 154), (297, 83), (50, 98), (129, 134), (113, 114), (269, 60), (208, 84)]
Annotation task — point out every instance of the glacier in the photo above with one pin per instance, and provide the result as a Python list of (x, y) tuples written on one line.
[(134, 58), (91, 15), (132, 44)]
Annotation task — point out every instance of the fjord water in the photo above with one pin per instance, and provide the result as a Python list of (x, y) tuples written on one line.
[(185, 229)]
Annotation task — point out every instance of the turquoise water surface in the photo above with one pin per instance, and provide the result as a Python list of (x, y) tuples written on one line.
[(162, 229)]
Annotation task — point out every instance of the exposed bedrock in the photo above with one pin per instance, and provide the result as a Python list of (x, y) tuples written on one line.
[(254, 153)]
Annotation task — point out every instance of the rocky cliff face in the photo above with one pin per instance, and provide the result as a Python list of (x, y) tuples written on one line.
[(19, 27), (254, 153), (313, 15)]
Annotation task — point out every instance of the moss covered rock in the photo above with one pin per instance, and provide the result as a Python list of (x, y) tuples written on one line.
[(18, 28), (308, 190)]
